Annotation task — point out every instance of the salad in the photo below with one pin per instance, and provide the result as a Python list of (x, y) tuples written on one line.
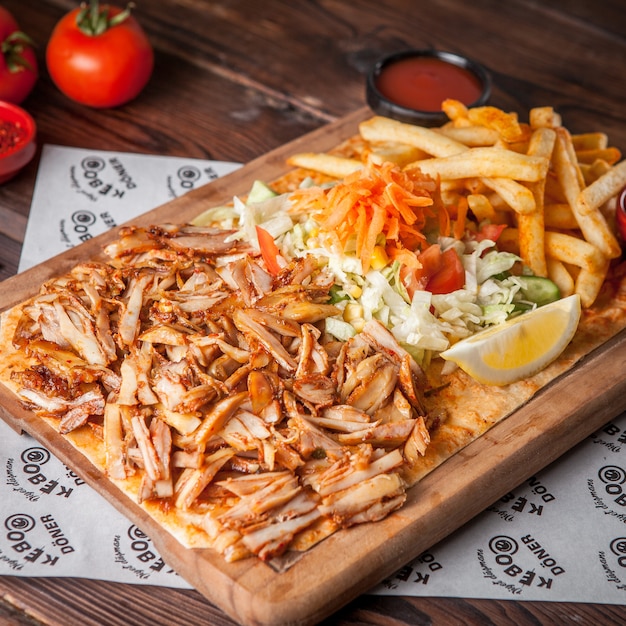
[(430, 274)]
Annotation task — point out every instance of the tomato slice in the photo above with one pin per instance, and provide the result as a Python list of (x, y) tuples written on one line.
[(269, 250), (490, 231), (431, 261), (440, 272), (416, 279), (450, 277)]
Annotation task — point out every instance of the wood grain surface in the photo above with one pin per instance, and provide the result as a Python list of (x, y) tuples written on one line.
[(235, 79)]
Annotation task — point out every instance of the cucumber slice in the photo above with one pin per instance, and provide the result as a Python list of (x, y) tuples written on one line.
[(260, 192), (539, 290)]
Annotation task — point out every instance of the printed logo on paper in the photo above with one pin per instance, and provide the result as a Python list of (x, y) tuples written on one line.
[(519, 562), (532, 498), (32, 477), (606, 483), (27, 539), (135, 553), (613, 562)]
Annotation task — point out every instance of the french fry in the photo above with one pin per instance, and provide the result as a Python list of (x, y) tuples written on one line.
[(558, 274), (456, 111), (541, 143), (430, 141), (531, 229), (395, 152), (520, 147), (506, 124), (573, 250), (498, 203), (589, 282), (488, 162), (559, 216), (586, 207), (553, 190), (518, 197), (472, 136), (592, 172), (481, 207), (329, 164), (531, 225), (590, 141), (544, 117), (565, 145), (610, 155), (591, 198)]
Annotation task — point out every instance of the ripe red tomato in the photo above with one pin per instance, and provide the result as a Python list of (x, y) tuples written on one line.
[(451, 275), (102, 62), (18, 63), (440, 272)]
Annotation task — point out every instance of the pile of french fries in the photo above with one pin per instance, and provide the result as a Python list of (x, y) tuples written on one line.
[(555, 191)]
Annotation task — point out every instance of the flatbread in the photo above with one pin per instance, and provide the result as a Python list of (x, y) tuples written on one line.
[(458, 410)]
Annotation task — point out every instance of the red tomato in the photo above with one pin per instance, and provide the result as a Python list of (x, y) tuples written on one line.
[(430, 259), (490, 231), (440, 272), (269, 250), (18, 63), (451, 275), (101, 70), (417, 279)]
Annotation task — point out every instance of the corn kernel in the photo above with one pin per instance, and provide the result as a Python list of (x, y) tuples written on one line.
[(379, 258), (352, 311), (356, 291)]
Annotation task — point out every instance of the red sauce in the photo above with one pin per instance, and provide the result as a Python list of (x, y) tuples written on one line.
[(423, 83)]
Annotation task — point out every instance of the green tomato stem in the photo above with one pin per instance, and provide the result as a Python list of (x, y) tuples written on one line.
[(93, 21), (13, 47)]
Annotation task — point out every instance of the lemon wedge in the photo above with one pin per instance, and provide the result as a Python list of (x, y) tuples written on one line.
[(519, 347)]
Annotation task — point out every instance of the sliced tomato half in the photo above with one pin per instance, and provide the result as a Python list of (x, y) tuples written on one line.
[(490, 231), (440, 272), (451, 275)]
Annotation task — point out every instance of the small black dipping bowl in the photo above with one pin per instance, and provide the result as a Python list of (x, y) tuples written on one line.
[(382, 105)]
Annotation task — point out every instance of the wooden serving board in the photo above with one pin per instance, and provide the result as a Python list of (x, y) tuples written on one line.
[(349, 562)]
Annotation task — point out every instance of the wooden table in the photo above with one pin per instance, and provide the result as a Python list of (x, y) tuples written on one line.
[(236, 79)]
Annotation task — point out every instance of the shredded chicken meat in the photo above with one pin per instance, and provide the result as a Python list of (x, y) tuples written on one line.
[(214, 381)]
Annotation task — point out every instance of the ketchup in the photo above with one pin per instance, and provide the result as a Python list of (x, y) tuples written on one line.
[(422, 83)]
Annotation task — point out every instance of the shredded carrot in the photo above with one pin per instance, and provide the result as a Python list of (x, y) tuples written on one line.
[(308, 199), (373, 201), (404, 256)]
